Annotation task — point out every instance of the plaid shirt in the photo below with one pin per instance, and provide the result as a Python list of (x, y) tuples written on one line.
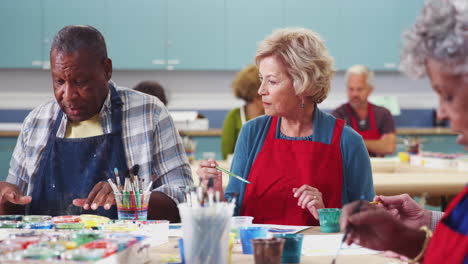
[(149, 136)]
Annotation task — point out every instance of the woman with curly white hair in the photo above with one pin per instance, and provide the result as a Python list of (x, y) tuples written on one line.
[(297, 158), (437, 45)]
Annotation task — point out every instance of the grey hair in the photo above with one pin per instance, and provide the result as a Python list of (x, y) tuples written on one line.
[(359, 69), (306, 58), (77, 37), (440, 33)]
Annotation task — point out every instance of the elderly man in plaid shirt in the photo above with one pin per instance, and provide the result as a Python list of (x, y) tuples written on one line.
[(68, 148)]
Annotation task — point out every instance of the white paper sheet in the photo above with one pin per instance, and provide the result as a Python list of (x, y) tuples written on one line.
[(176, 230), (327, 245), (276, 229)]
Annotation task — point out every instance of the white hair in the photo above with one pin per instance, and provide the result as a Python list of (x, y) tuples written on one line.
[(360, 69), (440, 33)]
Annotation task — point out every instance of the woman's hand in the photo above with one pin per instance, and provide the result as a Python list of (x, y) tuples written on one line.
[(310, 198), (375, 228), (206, 170), (404, 208)]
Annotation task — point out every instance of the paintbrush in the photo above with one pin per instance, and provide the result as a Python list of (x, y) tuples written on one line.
[(348, 229), (117, 179), (232, 174), (135, 170)]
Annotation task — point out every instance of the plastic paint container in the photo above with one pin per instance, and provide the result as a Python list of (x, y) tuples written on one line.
[(124, 241), (8, 246), (109, 246), (11, 224), (38, 225), (36, 254), (25, 241), (55, 248), (93, 220), (84, 254), (36, 218), (11, 217), (67, 219), (70, 245), (120, 227), (72, 226), (85, 236)]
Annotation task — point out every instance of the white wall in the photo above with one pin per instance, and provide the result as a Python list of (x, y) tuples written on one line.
[(24, 89)]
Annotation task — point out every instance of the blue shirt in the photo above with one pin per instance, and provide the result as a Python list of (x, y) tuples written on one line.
[(357, 178)]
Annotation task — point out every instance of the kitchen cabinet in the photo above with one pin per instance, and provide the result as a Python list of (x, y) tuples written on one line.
[(319, 16), (247, 23), (370, 32), (205, 34), (20, 30), (196, 31), (137, 34), (61, 13)]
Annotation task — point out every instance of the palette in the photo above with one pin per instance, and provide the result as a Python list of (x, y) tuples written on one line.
[(65, 239)]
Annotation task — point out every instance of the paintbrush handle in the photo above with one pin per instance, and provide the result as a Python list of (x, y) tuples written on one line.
[(350, 226), (232, 174)]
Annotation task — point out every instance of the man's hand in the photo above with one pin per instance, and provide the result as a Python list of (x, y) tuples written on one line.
[(100, 195), (11, 193)]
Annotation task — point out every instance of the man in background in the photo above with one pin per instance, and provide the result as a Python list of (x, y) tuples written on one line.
[(374, 123)]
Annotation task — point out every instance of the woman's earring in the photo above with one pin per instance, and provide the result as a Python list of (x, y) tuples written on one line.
[(302, 104)]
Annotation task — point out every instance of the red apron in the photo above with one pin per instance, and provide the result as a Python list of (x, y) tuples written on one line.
[(373, 132), (282, 165), (448, 246)]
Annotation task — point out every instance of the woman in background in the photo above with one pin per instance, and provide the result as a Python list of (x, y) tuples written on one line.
[(245, 87), (297, 158), (152, 88)]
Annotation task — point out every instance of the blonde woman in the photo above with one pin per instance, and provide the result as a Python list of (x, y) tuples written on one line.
[(297, 158)]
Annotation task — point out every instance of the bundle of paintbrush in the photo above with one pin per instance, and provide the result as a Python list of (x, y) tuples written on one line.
[(203, 196), (131, 197), (206, 231)]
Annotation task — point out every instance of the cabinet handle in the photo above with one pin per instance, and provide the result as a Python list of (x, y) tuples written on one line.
[(36, 63), (173, 62), (158, 62), (46, 65), (170, 67), (390, 65)]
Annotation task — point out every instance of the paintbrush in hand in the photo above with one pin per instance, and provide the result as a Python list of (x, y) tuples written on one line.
[(348, 229)]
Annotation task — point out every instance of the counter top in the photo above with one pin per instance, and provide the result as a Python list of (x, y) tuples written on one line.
[(424, 131), (9, 133), (400, 131), (217, 132)]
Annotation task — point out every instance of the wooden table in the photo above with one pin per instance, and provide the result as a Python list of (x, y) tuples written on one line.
[(391, 178), (159, 253)]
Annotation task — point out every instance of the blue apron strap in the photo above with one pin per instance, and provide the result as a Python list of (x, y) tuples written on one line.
[(45, 156), (118, 146), (49, 145)]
